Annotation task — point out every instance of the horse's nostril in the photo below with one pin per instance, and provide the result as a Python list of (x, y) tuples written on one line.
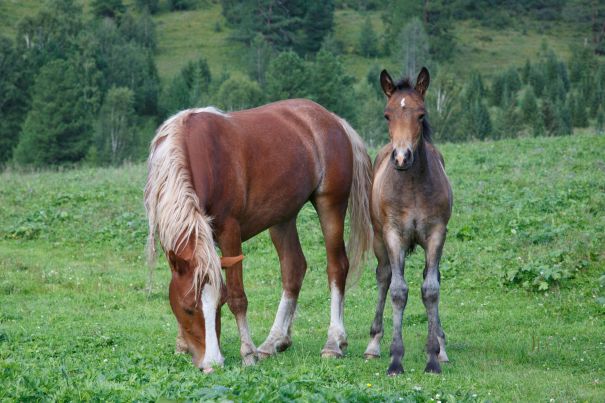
[(408, 154), (393, 154)]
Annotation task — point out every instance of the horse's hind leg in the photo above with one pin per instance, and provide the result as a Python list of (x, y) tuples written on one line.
[(383, 280), (332, 217), (293, 268), (435, 345)]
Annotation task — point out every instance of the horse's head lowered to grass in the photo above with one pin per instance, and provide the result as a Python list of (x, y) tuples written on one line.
[(405, 114)]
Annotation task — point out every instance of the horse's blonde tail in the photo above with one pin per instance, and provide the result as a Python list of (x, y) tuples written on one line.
[(360, 237), (173, 207)]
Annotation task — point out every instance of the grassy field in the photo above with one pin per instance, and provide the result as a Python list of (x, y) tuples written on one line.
[(77, 321)]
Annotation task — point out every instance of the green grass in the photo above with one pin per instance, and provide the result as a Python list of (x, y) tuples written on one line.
[(187, 35), (77, 321)]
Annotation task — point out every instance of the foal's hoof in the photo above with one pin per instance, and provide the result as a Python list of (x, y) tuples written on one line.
[(395, 369), (433, 367)]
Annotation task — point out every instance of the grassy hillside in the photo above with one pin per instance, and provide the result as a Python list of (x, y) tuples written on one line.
[(77, 322), (185, 35)]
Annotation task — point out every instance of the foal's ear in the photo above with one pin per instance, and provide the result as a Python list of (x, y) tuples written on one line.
[(386, 82), (422, 82)]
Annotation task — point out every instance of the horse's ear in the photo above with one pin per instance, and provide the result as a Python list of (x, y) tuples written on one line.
[(386, 82), (230, 261), (422, 82)]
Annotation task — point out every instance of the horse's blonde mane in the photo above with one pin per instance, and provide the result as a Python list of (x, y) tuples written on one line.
[(173, 207)]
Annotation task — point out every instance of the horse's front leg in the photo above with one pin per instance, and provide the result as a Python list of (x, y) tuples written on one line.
[(293, 267), (435, 345), (399, 297), (231, 245)]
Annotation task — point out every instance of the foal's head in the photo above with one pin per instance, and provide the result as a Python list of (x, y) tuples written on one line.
[(405, 115)]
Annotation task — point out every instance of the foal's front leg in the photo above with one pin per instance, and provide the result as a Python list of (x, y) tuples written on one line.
[(230, 245), (435, 345), (399, 298)]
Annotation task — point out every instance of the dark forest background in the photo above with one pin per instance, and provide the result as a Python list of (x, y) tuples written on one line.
[(79, 81)]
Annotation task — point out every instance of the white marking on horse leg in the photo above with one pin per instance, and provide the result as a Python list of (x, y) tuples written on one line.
[(337, 337), (279, 336), (442, 357), (247, 349), (210, 300)]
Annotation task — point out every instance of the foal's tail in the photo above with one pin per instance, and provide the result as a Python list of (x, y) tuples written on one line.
[(173, 207), (360, 237)]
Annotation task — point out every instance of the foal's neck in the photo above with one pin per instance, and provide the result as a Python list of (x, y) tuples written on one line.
[(420, 167)]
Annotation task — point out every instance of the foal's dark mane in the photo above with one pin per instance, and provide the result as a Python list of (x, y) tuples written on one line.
[(405, 84)]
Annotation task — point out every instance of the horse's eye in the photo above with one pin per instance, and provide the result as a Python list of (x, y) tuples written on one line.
[(188, 311), (386, 116), (421, 117)]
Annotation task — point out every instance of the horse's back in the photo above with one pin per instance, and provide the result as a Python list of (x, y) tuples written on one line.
[(263, 164)]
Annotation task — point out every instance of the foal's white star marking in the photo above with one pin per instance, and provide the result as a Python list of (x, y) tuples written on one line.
[(402, 102)]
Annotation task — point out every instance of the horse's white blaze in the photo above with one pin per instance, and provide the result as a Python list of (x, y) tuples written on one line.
[(403, 102), (284, 317), (210, 299)]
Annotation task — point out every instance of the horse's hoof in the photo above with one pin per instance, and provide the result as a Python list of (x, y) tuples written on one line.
[(208, 370), (249, 360), (442, 357), (326, 353), (371, 356), (263, 355), (432, 367), (395, 369)]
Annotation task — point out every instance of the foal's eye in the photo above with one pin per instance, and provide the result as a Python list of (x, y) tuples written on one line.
[(188, 311), (386, 116)]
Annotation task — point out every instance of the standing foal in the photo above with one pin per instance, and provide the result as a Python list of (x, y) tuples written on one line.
[(411, 205)]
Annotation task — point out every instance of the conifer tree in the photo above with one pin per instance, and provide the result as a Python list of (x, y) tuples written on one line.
[(14, 101), (115, 136), (600, 121), (287, 77), (58, 126), (368, 42), (579, 116), (331, 86), (529, 106)]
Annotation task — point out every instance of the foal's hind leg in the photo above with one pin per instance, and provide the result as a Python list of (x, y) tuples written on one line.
[(383, 280), (332, 217), (435, 345), (293, 268)]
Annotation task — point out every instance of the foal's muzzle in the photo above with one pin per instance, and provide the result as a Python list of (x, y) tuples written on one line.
[(402, 158)]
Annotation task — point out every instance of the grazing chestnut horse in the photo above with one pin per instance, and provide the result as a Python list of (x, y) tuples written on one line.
[(411, 205), (221, 178)]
